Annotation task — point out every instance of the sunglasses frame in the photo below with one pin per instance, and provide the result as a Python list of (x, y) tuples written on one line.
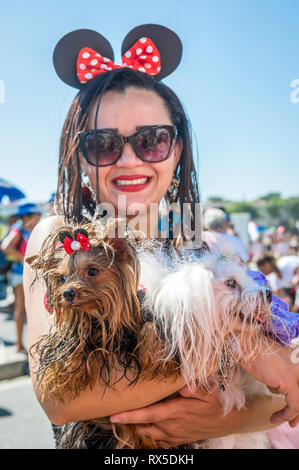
[(125, 139)]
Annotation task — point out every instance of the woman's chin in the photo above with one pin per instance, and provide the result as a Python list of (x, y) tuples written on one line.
[(132, 202)]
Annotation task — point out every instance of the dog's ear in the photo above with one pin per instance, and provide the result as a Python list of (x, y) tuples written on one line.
[(36, 261), (120, 245)]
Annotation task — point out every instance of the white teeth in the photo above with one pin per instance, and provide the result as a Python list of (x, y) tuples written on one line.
[(129, 182)]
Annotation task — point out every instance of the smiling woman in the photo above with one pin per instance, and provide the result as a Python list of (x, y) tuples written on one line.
[(136, 153), (127, 134)]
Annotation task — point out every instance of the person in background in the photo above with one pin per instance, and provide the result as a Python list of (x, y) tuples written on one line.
[(268, 267), (257, 249), (5, 261), (14, 246), (216, 224), (295, 287), (288, 267), (281, 243)]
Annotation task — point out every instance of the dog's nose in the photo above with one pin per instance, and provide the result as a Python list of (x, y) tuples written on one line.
[(269, 295), (69, 294)]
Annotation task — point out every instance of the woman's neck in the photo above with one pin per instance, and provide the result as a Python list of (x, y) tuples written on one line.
[(148, 222)]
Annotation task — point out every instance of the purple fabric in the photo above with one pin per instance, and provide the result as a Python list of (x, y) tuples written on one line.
[(257, 276), (283, 325)]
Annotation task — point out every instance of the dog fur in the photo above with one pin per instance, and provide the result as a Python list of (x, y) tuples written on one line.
[(194, 316)]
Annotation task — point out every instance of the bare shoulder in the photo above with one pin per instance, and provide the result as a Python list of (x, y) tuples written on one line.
[(41, 231), (34, 289)]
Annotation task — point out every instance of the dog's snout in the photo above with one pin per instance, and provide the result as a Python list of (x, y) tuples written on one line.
[(269, 295), (69, 294)]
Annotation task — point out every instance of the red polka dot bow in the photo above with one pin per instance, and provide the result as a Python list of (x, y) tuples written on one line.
[(81, 243), (142, 56)]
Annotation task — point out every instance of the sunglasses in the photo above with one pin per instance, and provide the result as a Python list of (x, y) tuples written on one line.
[(103, 147)]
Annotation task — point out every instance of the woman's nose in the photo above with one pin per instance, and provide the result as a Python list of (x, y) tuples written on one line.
[(128, 157)]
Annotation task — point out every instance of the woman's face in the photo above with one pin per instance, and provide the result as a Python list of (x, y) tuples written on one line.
[(125, 112)]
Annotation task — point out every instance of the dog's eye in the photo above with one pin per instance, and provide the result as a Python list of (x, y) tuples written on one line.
[(63, 278), (231, 283), (92, 272)]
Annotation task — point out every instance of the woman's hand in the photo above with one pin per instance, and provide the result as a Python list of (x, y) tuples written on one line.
[(186, 418), (197, 416), (279, 370)]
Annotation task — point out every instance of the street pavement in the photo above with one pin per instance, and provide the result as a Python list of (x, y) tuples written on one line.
[(12, 363), (23, 424)]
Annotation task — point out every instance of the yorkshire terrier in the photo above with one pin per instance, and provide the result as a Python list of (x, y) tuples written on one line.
[(99, 330), (198, 316)]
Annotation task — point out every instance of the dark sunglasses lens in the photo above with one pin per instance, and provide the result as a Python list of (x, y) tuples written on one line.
[(101, 148), (153, 144)]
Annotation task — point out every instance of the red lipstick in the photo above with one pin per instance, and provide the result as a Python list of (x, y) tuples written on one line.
[(141, 182)]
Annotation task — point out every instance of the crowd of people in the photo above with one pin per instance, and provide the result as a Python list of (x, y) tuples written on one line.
[(275, 252), (15, 232)]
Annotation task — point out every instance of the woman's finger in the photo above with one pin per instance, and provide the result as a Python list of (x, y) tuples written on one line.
[(151, 431), (149, 414), (288, 413), (294, 422)]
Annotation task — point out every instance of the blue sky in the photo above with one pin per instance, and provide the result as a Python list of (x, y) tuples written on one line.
[(239, 59)]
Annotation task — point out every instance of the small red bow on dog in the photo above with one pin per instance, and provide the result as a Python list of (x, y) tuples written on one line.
[(142, 56), (80, 243)]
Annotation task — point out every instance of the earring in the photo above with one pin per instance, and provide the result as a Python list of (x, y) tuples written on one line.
[(173, 188), (88, 200)]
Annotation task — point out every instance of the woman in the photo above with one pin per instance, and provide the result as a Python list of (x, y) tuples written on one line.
[(14, 246), (124, 102)]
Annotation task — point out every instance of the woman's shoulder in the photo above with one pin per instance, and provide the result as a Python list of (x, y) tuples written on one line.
[(41, 231)]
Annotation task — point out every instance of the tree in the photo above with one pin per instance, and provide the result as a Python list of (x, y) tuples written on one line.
[(243, 207), (216, 199), (274, 207), (270, 196), (291, 205)]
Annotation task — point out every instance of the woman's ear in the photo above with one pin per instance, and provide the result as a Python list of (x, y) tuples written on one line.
[(178, 148)]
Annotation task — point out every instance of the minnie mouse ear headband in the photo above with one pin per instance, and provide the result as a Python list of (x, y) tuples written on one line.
[(85, 54)]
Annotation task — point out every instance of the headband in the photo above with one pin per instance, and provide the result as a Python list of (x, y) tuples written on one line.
[(82, 55)]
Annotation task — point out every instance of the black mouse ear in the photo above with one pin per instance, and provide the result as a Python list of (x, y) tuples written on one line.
[(65, 234), (82, 231), (167, 42), (67, 49)]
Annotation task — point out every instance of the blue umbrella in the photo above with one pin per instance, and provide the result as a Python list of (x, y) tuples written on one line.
[(7, 189)]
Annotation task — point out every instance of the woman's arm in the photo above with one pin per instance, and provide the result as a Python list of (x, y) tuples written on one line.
[(90, 403), (182, 420), (199, 416)]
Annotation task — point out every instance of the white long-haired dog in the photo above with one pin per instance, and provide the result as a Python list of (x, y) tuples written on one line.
[(211, 315)]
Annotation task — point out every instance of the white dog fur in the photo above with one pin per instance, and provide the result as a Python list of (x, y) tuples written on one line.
[(200, 313)]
